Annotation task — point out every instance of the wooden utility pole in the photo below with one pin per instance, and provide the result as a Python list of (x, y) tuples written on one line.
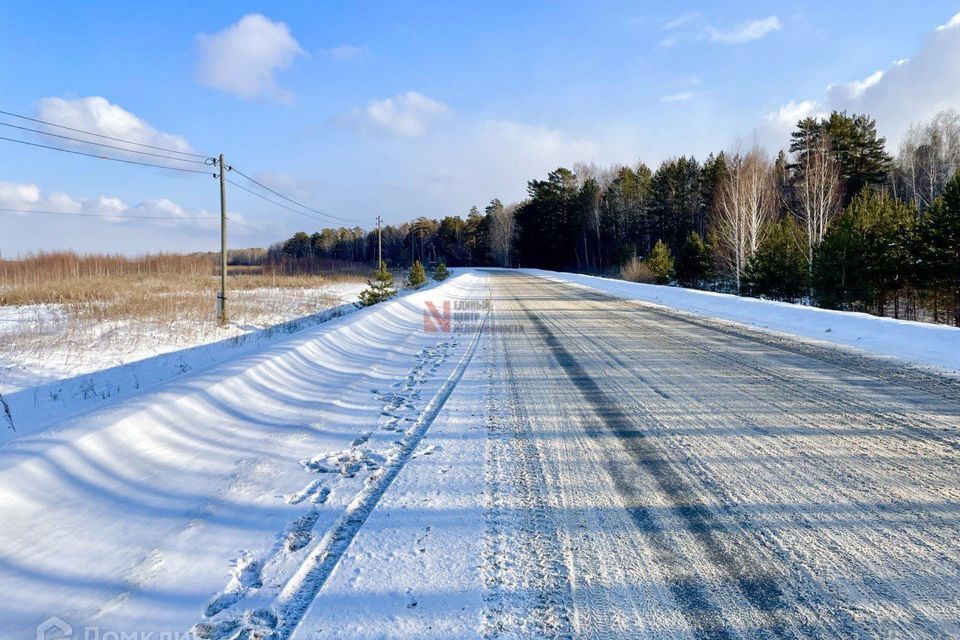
[(222, 298), (379, 245)]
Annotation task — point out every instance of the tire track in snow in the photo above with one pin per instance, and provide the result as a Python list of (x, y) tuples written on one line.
[(279, 621), (759, 588), (838, 465), (527, 583), (825, 604), (806, 592), (241, 599)]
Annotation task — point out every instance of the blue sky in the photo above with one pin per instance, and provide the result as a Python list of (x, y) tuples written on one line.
[(409, 109)]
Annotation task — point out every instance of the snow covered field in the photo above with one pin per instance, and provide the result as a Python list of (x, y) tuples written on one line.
[(562, 463), (53, 361)]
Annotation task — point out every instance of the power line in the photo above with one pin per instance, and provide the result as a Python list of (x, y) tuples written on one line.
[(272, 236), (288, 199), (101, 144), (100, 135), (105, 215), (93, 155), (274, 202)]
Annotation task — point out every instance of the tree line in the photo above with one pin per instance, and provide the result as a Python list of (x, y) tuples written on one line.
[(835, 220)]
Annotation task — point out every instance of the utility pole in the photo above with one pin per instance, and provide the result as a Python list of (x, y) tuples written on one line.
[(222, 298), (379, 245)]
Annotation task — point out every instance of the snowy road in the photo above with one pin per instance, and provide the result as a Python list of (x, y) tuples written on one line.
[(563, 464), (683, 479)]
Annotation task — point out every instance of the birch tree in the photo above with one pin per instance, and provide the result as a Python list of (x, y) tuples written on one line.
[(501, 233), (929, 157), (746, 203), (819, 194)]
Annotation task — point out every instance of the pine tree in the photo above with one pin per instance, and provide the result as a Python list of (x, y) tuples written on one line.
[(417, 275), (857, 148), (866, 254), (890, 260), (694, 265), (677, 199), (379, 291), (660, 263), (778, 269), (839, 264), (942, 227), (440, 272), (298, 246)]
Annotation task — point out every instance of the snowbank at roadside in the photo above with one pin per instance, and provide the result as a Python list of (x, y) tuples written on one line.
[(210, 492), (916, 342), (36, 398)]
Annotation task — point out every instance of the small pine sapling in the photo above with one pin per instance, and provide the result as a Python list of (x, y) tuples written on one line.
[(380, 290), (417, 275)]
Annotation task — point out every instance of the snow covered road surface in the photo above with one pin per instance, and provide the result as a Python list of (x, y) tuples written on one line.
[(921, 343), (708, 482), (570, 465), (649, 474)]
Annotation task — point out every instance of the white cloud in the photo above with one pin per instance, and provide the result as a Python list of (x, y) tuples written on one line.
[(678, 97), (471, 162), (19, 196), (106, 206), (347, 53), (745, 32), (244, 58), (63, 203), (406, 115), (98, 115), (851, 90), (679, 21), (29, 197), (910, 90), (693, 27), (954, 22), (792, 112)]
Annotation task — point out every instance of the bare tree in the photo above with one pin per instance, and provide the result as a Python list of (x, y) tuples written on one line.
[(929, 156), (501, 234), (818, 191), (746, 204)]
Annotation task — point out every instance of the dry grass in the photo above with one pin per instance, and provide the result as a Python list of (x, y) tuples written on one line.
[(116, 286), (637, 271), (110, 304)]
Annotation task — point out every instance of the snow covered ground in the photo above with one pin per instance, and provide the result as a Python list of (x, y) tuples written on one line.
[(43, 342), (916, 342), (189, 504), (561, 463), (53, 363)]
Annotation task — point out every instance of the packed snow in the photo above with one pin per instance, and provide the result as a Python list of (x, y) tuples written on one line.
[(377, 476), (186, 504), (915, 342)]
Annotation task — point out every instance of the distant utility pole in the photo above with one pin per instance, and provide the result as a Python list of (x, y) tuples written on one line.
[(379, 245), (222, 298)]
